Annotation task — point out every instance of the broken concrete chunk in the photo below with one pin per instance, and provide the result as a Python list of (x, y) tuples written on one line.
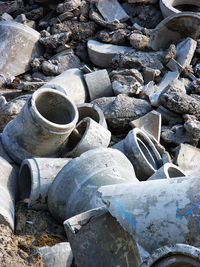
[(174, 28), (100, 234), (150, 123), (102, 54), (143, 1), (57, 255), (9, 6), (53, 41), (193, 128), (98, 84), (68, 5), (111, 10), (150, 74), (13, 59), (117, 37), (185, 51), (146, 208), (181, 103), (177, 135), (169, 117), (122, 109), (139, 60), (138, 41), (187, 158)]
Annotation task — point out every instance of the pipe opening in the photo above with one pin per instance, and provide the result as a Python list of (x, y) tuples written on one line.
[(174, 172), (54, 107), (25, 182), (148, 151), (88, 112), (76, 136), (188, 7), (177, 261)]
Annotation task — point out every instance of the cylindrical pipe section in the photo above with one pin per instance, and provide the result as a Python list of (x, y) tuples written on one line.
[(87, 135), (42, 126), (92, 111), (35, 178), (142, 153), (71, 82), (74, 189), (167, 171), (179, 255)]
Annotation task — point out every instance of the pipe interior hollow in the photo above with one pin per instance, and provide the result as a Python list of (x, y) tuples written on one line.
[(186, 5), (25, 182), (55, 108), (148, 151), (76, 136), (174, 172), (88, 112), (176, 261)]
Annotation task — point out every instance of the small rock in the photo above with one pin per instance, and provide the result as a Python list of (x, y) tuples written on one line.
[(56, 40), (117, 37), (68, 5), (139, 41), (150, 74), (193, 128)]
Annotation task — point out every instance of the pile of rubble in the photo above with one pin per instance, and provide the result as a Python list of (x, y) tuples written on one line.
[(100, 131)]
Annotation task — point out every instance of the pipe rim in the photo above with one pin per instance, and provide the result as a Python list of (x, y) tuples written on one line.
[(167, 168), (45, 122), (178, 249)]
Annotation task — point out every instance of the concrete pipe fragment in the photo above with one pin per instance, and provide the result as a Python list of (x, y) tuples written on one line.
[(142, 153), (97, 239), (87, 135), (58, 255), (167, 171), (102, 54), (175, 28), (73, 191), (92, 111), (35, 177), (98, 84), (19, 44), (8, 193), (157, 213), (171, 256), (168, 7), (71, 82), (42, 126)]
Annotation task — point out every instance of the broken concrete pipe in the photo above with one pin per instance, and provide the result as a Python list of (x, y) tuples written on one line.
[(92, 111), (16, 60), (103, 241), (48, 117), (167, 171), (157, 213), (58, 255), (98, 84), (170, 7), (8, 193), (142, 153), (174, 28), (71, 82), (177, 255), (76, 184), (87, 135), (35, 178)]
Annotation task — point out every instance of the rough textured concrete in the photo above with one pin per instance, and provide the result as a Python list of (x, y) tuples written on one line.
[(97, 239), (48, 117), (111, 10), (169, 117), (150, 123), (102, 54), (87, 135), (98, 84), (157, 213), (76, 184), (139, 41), (13, 59), (174, 28), (185, 51), (57, 255), (178, 255), (187, 158), (35, 178)]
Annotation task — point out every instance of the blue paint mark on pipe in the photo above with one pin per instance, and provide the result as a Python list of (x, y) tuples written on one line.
[(133, 223), (195, 206), (188, 212)]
